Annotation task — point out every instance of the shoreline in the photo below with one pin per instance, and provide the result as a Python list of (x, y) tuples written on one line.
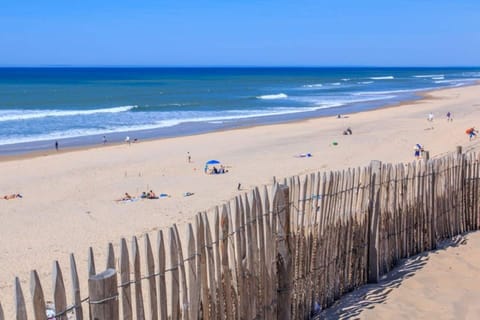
[(417, 98)]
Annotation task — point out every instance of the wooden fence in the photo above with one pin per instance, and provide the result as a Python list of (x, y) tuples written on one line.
[(278, 252)]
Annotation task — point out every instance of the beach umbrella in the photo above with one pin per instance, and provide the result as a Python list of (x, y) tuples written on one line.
[(210, 162)]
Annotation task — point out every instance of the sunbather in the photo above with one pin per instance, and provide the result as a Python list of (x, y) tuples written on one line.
[(12, 196), (126, 197)]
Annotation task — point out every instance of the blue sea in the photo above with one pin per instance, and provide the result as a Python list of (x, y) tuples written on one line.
[(78, 106)]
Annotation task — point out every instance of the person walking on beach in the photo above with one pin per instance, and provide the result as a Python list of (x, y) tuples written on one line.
[(104, 140), (56, 145), (127, 140), (430, 119), (472, 133), (418, 148), (189, 157), (449, 116)]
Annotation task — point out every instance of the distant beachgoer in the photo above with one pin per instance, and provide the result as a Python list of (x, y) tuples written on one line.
[(135, 140), (430, 119), (472, 133), (126, 197), (189, 157), (347, 132), (151, 195), (449, 116), (12, 196), (418, 148), (304, 155), (56, 145), (104, 140), (339, 116), (127, 139)]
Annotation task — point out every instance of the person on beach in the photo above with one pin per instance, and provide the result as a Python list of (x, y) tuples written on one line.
[(126, 197), (430, 119), (347, 132), (12, 196), (127, 140), (472, 133), (189, 157), (104, 139), (56, 145), (418, 148), (449, 116), (151, 195)]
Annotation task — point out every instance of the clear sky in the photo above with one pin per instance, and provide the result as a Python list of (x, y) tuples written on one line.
[(225, 32)]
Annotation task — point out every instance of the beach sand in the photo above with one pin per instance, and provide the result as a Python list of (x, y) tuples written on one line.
[(68, 197)]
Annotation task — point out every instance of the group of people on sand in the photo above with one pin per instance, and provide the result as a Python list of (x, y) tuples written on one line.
[(145, 195), (215, 170), (12, 196), (148, 195)]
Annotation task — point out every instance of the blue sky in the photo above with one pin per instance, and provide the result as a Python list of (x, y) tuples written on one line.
[(259, 33)]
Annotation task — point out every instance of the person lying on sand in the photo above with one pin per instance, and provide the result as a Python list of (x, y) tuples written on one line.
[(151, 195), (12, 196), (126, 197), (304, 155)]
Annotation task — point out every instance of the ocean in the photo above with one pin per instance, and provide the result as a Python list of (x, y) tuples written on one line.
[(78, 106)]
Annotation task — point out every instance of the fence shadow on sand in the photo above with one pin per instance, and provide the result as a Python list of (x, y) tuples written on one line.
[(368, 296)]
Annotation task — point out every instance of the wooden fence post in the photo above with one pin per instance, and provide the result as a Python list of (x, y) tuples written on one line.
[(281, 207), (373, 222), (427, 155), (102, 289), (459, 149), (20, 309)]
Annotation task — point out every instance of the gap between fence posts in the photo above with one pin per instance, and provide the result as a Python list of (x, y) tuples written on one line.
[(373, 221), (281, 207)]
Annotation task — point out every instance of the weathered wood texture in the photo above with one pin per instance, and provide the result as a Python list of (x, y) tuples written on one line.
[(279, 252)]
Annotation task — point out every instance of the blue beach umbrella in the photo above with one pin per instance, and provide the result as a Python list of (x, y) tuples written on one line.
[(209, 162)]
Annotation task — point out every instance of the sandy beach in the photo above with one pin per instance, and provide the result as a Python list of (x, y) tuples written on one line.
[(68, 197)]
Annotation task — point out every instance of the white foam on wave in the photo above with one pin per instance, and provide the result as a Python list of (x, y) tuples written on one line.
[(452, 81), (316, 85), (171, 120), (342, 100), (273, 96), (387, 92), (14, 115), (335, 83), (438, 78), (383, 78), (365, 82), (346, 79), (428, 75)]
